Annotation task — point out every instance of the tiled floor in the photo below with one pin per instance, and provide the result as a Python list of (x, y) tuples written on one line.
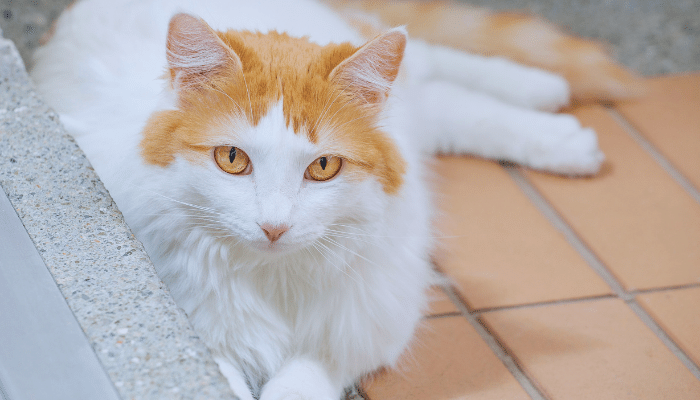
[(571, 288)]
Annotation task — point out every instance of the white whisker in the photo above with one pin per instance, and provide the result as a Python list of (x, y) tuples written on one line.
[(218, 89), (341, 258), (250, 103), (349, 251), (328, 107)]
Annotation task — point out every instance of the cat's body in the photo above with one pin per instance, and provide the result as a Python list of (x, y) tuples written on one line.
[(340, 287)]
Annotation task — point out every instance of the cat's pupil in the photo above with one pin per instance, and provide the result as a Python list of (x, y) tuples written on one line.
[(323, 162), (232, 155)]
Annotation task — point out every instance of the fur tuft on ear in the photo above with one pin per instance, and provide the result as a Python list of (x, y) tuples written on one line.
[(370, 71), (195, 52)]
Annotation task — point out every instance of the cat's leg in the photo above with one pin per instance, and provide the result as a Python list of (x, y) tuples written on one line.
[(510, 82), (301, 379), (447, 118), (235, 379)]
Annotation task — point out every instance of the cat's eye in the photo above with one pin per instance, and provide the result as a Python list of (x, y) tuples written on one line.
[(232, 160), (323, 168)]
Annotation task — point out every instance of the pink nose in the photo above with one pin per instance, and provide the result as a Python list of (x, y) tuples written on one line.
[(274, 232)]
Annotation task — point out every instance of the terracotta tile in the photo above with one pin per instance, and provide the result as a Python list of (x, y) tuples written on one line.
[(678, 313), (448, 361), (668, 117), (440, 303), (592, 350), (498, 247), (637, 219)]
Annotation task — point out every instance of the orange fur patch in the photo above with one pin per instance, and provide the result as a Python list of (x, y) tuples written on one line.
[(278, 67)]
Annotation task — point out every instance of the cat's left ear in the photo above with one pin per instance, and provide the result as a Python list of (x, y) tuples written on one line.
[(195, 53), (370, 71)]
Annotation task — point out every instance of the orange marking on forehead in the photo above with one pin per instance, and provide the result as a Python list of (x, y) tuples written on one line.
[(274, 67)]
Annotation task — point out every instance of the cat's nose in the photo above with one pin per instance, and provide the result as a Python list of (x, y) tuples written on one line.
[(274, 232)]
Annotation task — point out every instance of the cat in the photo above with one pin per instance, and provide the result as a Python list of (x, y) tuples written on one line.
[(273, 161)]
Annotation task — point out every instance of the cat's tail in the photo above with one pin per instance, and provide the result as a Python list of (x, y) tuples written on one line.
[(591, 72)]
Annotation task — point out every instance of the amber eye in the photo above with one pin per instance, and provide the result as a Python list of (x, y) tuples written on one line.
[(232, 160), (323, 168)]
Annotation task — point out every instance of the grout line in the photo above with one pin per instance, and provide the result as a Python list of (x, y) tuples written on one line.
[(555, 219), (542, 304), (495, 345), (664, 288), (678, 176), (558, 222), (665, 338), (443, 315), (655, 154)]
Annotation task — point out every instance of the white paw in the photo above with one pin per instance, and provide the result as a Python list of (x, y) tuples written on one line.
[(572, 150), (300, 379)]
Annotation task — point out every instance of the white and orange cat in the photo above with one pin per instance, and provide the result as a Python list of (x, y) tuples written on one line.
[(272, 159)]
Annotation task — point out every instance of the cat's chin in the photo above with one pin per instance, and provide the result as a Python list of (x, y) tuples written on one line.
[(273, 249)]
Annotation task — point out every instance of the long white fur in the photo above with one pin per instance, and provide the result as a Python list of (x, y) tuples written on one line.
[(498, 77), (344, 290)]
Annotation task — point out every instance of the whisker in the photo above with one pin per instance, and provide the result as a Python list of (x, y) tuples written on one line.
[(250, 103), (313, 255), (348, 226), (178, 201), (325, 124), (391, 236), (175, 214), (341, 259), (315, 246), (218, 89), (336, 235), (352, 120), (328, 107), (350, 251)]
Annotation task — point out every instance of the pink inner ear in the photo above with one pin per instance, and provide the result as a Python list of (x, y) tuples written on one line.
[(369, 73), (195, 52)]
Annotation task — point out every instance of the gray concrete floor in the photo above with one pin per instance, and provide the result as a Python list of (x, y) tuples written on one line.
[(26, 21), (650, 36)]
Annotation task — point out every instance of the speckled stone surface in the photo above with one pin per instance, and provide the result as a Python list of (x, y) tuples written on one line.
[(141, 337)]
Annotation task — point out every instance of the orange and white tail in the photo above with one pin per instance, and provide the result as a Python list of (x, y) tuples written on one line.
[(592, 74)]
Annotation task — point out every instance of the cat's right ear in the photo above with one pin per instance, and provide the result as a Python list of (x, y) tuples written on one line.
[(196, 53), (370, 71)]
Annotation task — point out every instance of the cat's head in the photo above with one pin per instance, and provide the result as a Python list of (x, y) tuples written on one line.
[(277, 139)]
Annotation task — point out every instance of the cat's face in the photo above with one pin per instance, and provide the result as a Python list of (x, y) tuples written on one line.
[(276, 138), (258, 179)]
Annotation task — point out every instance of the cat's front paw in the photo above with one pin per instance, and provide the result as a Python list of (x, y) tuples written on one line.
[(301, 379), (572, 150)]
